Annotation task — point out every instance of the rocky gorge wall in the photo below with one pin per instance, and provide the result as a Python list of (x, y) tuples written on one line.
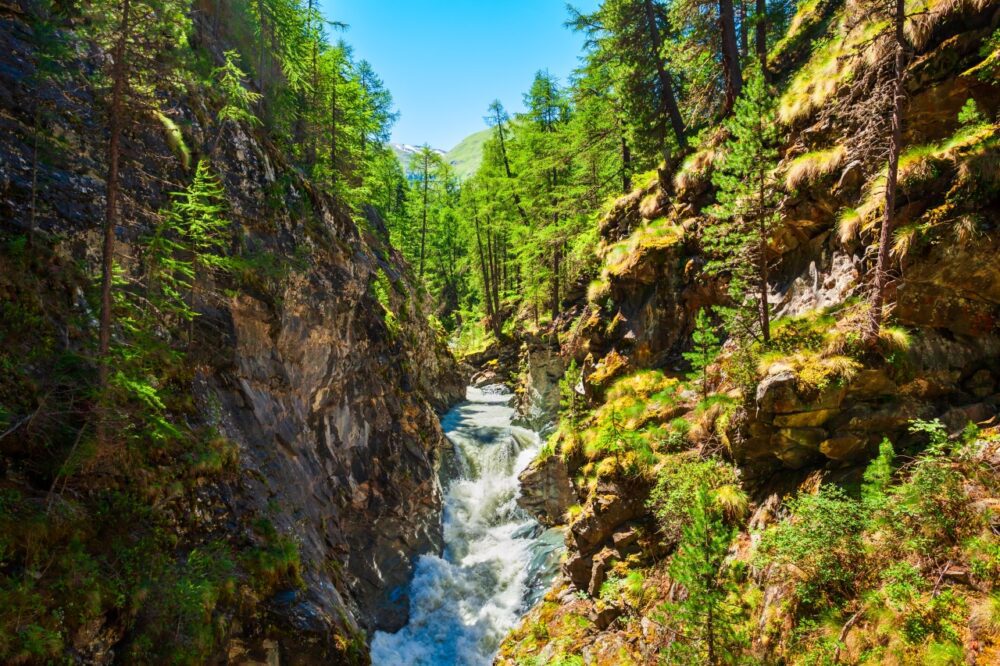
[(804, 421), (332, 411)]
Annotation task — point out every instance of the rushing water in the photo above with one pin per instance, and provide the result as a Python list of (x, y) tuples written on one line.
[(497, 560)]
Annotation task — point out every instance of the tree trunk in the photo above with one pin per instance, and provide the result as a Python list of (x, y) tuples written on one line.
[(120, 84), (311, 155), (556, 258), (423, 223), (490, 309), (333, 130), (765, 308), (261, 51), (626, 166), (877, 300), (506, 166), (668, 101), (760, 36), (744, 29), (730, 53), (34, 174)]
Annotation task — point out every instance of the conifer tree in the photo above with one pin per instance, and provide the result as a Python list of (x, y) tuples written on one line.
[(704, 348), (707, 617), (143, 37), (748, 196)]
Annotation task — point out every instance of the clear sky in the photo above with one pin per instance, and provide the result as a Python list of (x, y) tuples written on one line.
[(445, 60)]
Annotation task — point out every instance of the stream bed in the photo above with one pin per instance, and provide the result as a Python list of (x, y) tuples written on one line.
[(497, 560)]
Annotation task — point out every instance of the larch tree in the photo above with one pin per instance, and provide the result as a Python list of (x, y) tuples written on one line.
[(140, 63), (706, 619), (628, 36), (748, 195)]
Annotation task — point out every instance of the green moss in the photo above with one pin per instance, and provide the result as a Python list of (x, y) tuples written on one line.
[(175, 139)]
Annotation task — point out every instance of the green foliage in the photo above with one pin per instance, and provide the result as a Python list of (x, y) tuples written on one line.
[(238, 99), (274, 563), (188, 246), (571, 403), (930, 512), (709, 616), (681, 480), (970, 114), (704, 348), (745, 216), (878, 477), (823, 540)]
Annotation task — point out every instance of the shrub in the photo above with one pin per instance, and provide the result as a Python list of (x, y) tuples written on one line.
[(678, 483), (822, 539)]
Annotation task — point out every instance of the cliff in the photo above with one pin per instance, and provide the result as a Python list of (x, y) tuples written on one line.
[(786, 434), (295, 479)]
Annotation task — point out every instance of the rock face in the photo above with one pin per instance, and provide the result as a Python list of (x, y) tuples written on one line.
[(538, 385), (546, 490), (333, 412)]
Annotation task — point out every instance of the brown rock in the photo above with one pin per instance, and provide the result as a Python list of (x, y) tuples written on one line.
[(811, 419), (578, 569), (546, 490), (599, 570), (844, 447)]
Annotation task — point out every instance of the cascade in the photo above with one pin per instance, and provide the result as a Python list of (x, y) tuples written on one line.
[(497, 560)]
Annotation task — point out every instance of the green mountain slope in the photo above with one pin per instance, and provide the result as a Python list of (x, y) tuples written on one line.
[(468, 154)]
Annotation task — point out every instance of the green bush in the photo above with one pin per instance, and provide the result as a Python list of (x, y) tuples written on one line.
[(822, 538)]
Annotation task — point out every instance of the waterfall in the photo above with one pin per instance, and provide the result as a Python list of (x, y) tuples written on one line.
[(497, 560)]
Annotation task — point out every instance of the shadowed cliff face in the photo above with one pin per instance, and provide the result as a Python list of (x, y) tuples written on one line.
[(332, 409)]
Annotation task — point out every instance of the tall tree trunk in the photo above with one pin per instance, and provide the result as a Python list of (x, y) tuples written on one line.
[(119, 87), (556, 259), (506, 166), (333, 130), (492, 252), (762, 276), (423, 221), (314, 107), (34, 173), (491, 312), (877, 300), (760, 36), (626, 166), (261, 51), (744, 29), (668, 101), (730, 53)]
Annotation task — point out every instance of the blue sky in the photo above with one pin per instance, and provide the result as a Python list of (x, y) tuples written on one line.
[(446, 60)]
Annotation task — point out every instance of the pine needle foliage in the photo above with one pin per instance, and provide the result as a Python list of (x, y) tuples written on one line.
[(746, 213)]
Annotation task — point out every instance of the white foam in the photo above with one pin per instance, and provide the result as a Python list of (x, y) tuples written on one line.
[(462, 604)]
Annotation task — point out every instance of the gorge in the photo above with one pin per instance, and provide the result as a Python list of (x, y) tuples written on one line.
[(690, 357)]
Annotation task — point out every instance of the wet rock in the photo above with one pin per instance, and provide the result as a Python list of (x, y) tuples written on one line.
[(603, 615), (624, 539), (538, 388), (610, 509), (578, 569), (546, 490), (599, 570)]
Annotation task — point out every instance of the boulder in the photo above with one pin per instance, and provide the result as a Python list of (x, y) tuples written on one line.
[(599, 570), (546, 490), (602, 516)]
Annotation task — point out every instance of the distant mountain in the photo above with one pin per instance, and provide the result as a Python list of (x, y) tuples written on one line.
[(465, 157), (404, 151), (468, 154)]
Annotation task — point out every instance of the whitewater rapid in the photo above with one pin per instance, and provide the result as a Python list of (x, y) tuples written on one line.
[(497, 560)]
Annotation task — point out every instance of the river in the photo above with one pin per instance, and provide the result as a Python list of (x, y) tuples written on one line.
[(497, 560)]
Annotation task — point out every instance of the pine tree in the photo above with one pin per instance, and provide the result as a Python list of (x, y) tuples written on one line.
[(748, 195), (704, 348), (238, 100), (706, 619), (629, 37)]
